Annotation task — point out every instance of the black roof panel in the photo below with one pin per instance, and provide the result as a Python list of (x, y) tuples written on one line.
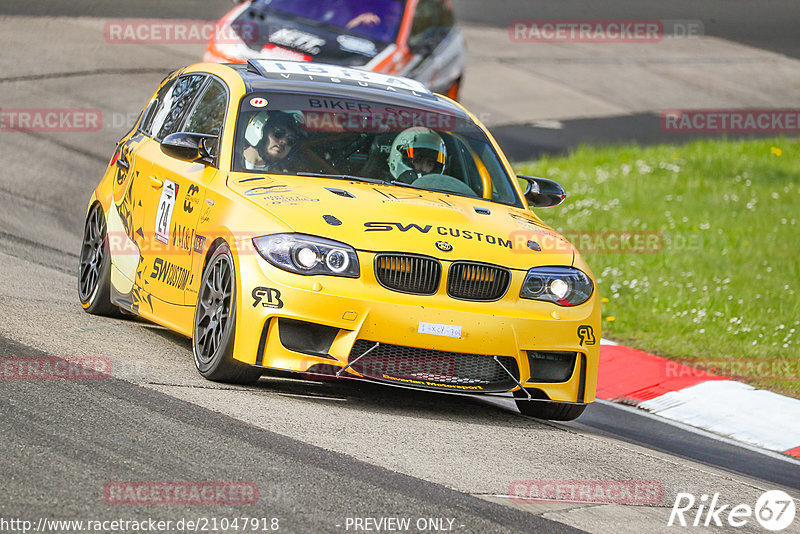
[(359, 87)]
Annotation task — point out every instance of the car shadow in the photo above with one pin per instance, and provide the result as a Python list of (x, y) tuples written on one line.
[(377, 398)]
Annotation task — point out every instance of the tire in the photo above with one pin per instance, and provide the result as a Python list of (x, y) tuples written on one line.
[(554, 411), (94, 270), (215, 323)]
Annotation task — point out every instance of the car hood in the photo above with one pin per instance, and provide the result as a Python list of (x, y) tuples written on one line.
[(386, 218)]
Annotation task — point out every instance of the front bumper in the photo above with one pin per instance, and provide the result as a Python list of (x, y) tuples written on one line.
[(344, 317)]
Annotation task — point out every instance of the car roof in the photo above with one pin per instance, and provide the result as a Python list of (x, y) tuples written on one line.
[(335, 80)]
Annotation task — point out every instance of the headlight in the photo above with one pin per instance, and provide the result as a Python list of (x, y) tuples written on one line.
[(565, 286), (306, 254)]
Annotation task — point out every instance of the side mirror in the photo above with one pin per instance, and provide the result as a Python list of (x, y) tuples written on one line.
[(187, 146), (542, 192)]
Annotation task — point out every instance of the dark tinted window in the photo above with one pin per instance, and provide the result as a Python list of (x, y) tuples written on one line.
[(432, 20), (176, 102), (378, 21), (209, 114), (369, 139)]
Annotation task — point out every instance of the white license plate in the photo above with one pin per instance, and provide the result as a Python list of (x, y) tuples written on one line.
[(445, 330)]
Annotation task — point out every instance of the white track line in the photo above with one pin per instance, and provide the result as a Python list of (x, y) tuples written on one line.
[(734, 409), (701, 432)]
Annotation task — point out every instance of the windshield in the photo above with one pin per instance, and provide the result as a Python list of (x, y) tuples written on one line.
[(378, 20), (307, 135)]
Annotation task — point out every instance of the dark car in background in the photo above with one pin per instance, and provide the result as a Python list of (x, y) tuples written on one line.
[(418, 39)]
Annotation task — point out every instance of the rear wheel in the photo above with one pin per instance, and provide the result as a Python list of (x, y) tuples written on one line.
[(555, 411), (94, 273), (215, 321)]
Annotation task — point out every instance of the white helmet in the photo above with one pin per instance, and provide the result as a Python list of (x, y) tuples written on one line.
[(292, 120), (415, 142)]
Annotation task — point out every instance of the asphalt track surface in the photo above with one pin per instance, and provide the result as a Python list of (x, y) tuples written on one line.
[(65, 447), (767, 24), (319, 452)]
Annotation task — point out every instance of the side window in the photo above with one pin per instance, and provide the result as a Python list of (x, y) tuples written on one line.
[(432, 20), (154, 107), (209, 114), (177, 101)]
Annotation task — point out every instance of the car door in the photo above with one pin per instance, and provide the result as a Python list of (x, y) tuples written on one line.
[(166, 182), (126, 217), (191, 181)]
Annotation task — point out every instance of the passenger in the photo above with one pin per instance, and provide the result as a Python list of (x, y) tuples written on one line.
[(370, 19), (271, 136), (415, 153)]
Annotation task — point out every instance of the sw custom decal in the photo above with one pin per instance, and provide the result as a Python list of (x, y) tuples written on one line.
[(170, 274), (441, 230)]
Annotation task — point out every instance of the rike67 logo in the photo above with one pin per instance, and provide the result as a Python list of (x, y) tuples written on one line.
[(774, 511)]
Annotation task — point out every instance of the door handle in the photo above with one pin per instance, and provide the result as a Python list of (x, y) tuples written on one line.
[(156, 182)]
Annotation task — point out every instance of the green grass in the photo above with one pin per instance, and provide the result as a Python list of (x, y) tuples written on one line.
[(722, 293)]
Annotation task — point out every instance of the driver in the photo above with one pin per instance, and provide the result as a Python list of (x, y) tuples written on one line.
[(271, 136), (416, 152)]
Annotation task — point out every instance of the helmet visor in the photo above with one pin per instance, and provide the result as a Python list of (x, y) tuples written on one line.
[(427, 160)]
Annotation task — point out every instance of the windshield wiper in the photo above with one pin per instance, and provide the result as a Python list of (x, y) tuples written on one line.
[(406, 184), (376, 181), (342, 177), (433, 189)]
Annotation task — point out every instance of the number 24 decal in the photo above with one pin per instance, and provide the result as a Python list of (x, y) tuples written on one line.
[(164, 213)]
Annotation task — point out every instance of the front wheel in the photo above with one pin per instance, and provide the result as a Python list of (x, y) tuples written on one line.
[(554, 411), (94, 273), (215, 322)]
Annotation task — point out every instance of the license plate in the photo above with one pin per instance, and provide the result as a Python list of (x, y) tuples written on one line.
[(444, 330)]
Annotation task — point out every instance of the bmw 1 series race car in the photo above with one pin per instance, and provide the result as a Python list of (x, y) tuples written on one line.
[(336, 222), (414, 38)]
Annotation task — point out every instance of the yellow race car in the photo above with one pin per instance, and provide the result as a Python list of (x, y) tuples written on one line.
[(342, 223)]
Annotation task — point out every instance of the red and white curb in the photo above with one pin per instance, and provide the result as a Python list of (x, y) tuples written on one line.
[(702, 400)]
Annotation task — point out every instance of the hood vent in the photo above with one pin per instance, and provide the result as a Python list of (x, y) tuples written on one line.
[(340, 192)]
